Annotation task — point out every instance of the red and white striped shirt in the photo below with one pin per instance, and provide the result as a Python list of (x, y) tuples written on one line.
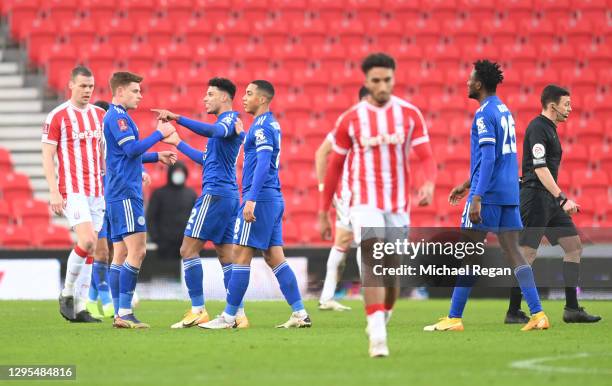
[(378, 141), (77, 133)]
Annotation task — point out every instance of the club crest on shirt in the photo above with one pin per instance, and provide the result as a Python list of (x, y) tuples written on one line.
[(122, 123)]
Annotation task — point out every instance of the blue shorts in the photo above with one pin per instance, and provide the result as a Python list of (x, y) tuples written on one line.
[(266, 231), (495, 218), (126, 217), (212, 219), (105, 232)]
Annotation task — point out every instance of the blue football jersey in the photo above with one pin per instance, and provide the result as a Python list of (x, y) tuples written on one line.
[(494, 124), (264, 135), (220, 156), (123, 177)]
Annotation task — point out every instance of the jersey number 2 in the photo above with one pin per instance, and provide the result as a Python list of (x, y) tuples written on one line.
[(507, 123)]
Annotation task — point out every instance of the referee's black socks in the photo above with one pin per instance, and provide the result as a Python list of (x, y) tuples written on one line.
[(515, 299), (571, 272)]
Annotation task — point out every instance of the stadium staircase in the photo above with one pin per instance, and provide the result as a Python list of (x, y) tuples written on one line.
[(311, 50)]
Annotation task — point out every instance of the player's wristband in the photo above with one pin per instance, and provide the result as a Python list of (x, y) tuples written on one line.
[(561, 199)]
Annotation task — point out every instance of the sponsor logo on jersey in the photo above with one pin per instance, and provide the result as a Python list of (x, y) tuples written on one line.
[(260, 137), (87, 134), (482, 128), (385, 139)]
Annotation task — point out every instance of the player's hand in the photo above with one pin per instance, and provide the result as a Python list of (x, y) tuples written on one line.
[(146, 179), (239, 126), (165, 115), (325, 227), (173, 139), (57, 203), (165, 128), (426, 194), (474, 214), (570, 207), (167, 157), (457, 194), (249, 211)]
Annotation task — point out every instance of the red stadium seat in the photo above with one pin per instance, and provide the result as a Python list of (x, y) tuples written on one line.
[(119, 32), (31, 212), (139, 9), (15, 186), (576, 157), (591, 183), (80, 32), (100, 9), (16, 237), (5, 213), (61, 10), (21, 14), (588, 132), (42, 34), (6, 162), (52, 237)]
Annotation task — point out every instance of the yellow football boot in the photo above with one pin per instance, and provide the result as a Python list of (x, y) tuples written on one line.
[(191, 319), (537, 321), (446, 324)]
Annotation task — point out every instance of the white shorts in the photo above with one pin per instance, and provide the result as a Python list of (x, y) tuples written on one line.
[(81, 208), (367, 217), (343, 214)]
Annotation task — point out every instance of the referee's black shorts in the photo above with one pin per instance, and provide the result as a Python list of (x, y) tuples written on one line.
[(542, 216)]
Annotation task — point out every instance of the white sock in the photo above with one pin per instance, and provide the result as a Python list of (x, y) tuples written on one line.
[(376, 326), (228, 318), (73, 268), (124, 311), (388, 316), (197, 310), (301, 313), (240, 312), (81, 287), (336, 257)]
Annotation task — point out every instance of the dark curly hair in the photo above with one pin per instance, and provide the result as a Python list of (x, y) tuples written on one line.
[(489, 74)]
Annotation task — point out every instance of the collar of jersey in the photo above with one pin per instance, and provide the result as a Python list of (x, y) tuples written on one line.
[(119, 107), (487, 99), (381, 108), (78, 108)]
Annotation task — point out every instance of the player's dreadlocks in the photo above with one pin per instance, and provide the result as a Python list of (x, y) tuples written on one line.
[(489, 74)]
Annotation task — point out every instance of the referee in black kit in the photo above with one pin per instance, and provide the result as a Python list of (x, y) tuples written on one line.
[(545, 210)]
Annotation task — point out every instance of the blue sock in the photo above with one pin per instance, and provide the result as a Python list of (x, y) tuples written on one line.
[(237, 287), (113, 280), (100, 278), (193, 278), (127, 284), (227, 274), (524, 276), (93, 291), (288, 285), (461, 293)]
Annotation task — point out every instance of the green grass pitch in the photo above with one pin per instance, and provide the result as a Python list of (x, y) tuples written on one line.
[(332, 352)]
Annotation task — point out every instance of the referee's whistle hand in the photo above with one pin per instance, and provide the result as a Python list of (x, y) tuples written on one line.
[(571, 207)]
